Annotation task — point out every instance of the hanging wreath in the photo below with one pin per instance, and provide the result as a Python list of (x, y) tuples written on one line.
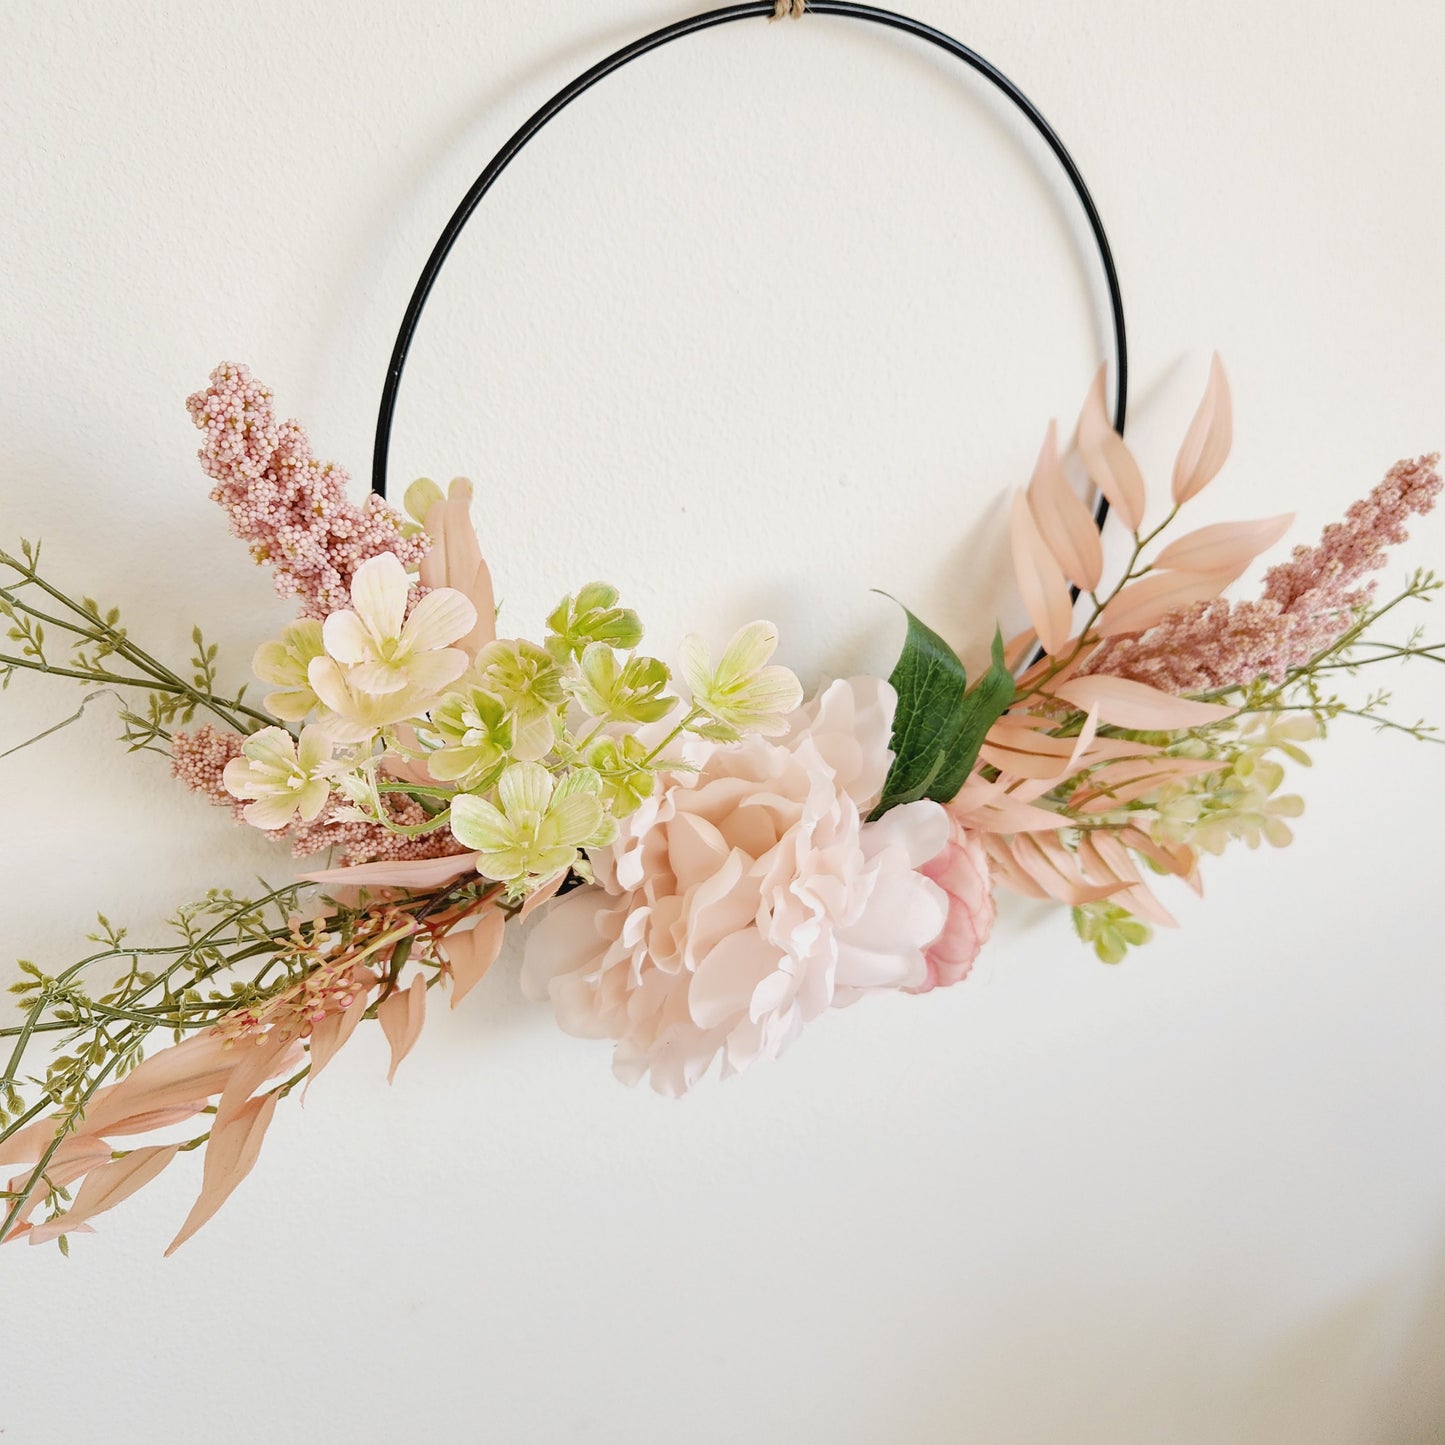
[(718, 859)]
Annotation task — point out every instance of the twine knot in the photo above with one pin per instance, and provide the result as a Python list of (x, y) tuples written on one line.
[(789, 9)]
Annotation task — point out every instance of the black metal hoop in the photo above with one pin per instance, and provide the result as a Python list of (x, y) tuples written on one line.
[(752, 9)]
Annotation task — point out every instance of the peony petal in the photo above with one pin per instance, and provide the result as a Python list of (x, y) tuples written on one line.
[(1064, 522), (1224, 546), (401, 1015), (722, 989), (439, 620), (417, 875), (379, 592), (469, 955), (1125, 704), (230, 1156), (1206, 444), (1110, 464), (1149, 600), (1040, 582)]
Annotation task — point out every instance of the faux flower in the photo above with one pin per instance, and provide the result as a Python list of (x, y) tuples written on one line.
[(536, 826), (744, 899), (283, 662), (633, 691), (284, 779), (381, 666), (961, 870), (743, 693), (591, 616), (529, 683), (622, 765), (475, 732)]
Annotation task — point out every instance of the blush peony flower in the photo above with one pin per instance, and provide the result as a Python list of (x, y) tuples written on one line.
[(961, 870), (742, 900)]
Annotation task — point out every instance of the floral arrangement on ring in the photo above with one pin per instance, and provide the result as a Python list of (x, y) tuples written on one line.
[(717, 861)]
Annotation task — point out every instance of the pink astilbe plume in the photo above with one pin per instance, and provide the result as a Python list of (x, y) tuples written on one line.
[(289, 507), (359, 842), (199, 760), (1307, 603)]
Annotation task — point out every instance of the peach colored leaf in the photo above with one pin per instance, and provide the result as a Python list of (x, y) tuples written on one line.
[(416, 874), (538, 896), (1178, 859), (255, 1060), (1206, 444), (1141, 902), (76, 1157), (1109, 463), (26, 1145), (991, 808), (107, 1186), (401, 1015), (1053, 868), (231, 1154), (1003, 868), (1095, 868), (1149, 600), (195, 1068), (1224, 546), (1064, 522), (330, 1035), (1107, 789), (1115, 855), (404, 769), (469, 955), (455, 560), (1125, 704), (1041, 583), (156, 1119), (1018, 647)]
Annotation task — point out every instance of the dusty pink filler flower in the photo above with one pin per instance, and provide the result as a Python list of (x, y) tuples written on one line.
[(199, 760), (1307, 604), (743, 900), (290, 508)]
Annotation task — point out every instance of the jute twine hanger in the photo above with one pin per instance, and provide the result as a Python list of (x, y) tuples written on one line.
[(789, 9)]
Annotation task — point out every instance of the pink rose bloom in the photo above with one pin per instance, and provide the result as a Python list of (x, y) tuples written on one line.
[(961, 870), (741, 901)]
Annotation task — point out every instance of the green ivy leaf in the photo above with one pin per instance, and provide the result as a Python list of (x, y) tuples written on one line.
[(940, 723)]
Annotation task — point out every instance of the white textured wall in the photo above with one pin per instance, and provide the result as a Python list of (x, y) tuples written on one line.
[(774, 317)]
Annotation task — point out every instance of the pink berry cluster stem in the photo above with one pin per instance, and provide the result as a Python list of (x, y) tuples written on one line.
[(1307, 605), (291, 509)]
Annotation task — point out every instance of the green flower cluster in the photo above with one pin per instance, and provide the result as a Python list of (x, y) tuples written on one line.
[(540, 750)]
